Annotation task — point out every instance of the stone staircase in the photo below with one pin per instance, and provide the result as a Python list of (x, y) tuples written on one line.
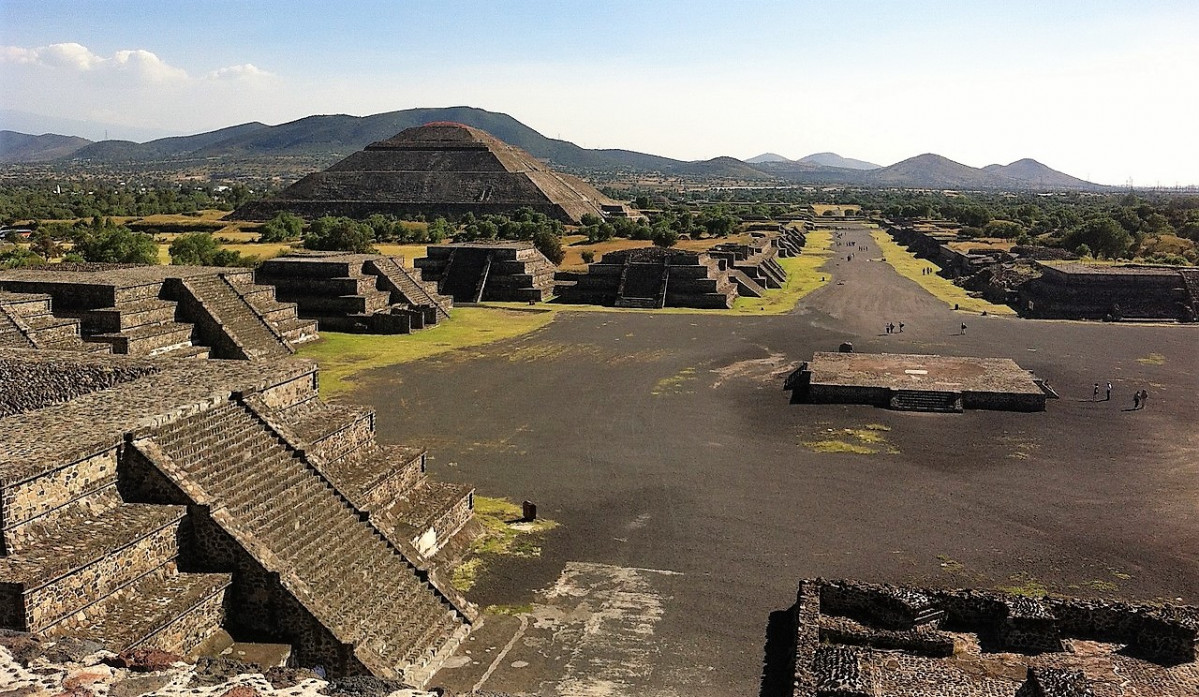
[(745, 285), (27, 321), (244, 332), (926, 400), (355, 292), (1190, 281), (394, 277), (271, 499), (283, 317), (95, 567)]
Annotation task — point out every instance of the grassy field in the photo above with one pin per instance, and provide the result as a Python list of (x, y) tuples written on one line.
[(342, 356), (909, 266)]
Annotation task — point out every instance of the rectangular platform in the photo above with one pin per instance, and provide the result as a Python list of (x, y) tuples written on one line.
[(917, 382)]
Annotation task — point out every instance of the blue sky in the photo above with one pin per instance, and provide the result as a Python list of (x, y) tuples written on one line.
[(1100, 89)]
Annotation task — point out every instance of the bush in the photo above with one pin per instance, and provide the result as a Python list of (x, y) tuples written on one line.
[(588, 256), (664, 236), (19, 257)]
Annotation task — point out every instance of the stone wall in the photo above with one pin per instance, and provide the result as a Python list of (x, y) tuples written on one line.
[(29, 385)]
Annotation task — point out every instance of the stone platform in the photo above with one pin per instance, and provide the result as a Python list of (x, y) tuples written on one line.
[(915, 382)]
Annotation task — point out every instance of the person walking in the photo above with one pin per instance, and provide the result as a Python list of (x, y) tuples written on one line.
[(1095, 393), (962, 330), (1136, 400), (1109, 392), (1144, 397), (901, 327)]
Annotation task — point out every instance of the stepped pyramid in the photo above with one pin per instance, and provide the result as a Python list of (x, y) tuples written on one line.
[(148, 502), (439, 169)]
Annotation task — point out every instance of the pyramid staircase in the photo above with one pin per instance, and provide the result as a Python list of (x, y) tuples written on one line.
[(243, 332), (81, 562), (280, 504)]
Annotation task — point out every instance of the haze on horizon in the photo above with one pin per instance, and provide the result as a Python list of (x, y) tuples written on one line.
[(1100, 89)]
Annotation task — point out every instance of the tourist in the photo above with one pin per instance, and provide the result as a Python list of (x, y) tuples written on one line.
[(963, 328), (1136, 400), (1144, 397), (901, 327), (1095, 393), (1109, 392)]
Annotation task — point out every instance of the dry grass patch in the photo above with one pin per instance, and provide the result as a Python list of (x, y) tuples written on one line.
[(869, 440)]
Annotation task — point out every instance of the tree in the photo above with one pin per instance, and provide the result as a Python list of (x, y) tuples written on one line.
[(550, 245), (664, 236), (1101, 235), (284, 226), (340, 234), (202, 249), (44, 245), (103, 241), (19, 257)]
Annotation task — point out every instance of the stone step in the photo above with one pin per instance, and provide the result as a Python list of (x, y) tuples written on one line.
[(47, 328), (127, 316), (77, 555), (147, 340), (926, 400), (164, 609), (26, 304), (185, 351)]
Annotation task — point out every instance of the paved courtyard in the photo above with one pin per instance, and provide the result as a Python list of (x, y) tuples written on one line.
[(692, 496)]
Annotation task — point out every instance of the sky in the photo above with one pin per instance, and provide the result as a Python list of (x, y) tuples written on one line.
[(1105, 90)]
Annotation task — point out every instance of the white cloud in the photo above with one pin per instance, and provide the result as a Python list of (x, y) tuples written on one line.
[(140, 64), (245, 71)]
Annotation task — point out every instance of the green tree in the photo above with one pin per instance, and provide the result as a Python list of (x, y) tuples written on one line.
[(664, 236), (340, 234), (202, 249), (103, 241), (19, 257), (283, 227), (550, 245), (1101, 235)]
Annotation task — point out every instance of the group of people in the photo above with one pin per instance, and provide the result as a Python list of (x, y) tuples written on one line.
[(926, 272), (1138, 398), (891, 327)]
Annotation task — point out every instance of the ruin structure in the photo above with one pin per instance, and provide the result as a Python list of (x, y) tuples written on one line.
[(911, 382), (177, 311), (753, 267), (651, 277), (147, 502), (439, 169), (473, 272), (856, 639), (1082, 291), (355, 292)]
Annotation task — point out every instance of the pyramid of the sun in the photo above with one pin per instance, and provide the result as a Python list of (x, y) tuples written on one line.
[(439, 169)]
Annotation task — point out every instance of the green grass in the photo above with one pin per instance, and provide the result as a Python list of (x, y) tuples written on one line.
[(909, 266), (505, 534), (1026, 585), (344, 356), (870, 440), (1152, 359), (676, 383)]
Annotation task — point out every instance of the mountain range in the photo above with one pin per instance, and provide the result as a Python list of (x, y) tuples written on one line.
[(327, 138)]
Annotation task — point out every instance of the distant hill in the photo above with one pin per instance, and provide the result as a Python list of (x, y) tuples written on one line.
[(21, 147), (832, 159), (1038, 175), (324, 139), (766, 157), (935, 172)]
